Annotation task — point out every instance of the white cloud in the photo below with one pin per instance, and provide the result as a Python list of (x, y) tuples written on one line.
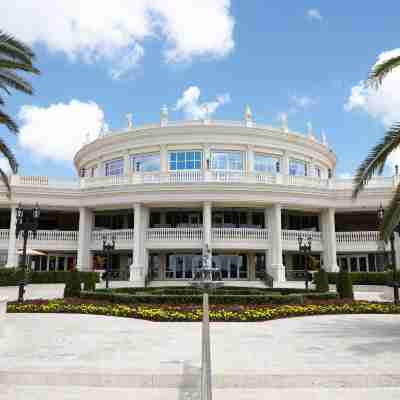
[(382, 103), (5, 165), (189, 103), (117, 31), (58, 131), (301, 102), (314, 14)]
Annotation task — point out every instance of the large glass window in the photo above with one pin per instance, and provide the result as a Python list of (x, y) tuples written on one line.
[(145, 162), (179, 160), (297, 167), (227, 160), (266, 163), (114, 167), (232, 266)]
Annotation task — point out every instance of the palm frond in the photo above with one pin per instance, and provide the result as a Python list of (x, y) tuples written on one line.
[(13, 53), (379, 71), (391, 217), (17, 44), (4, 178), (9, 155), (14, 81), (10, 64), (376, 158), (8, 122), (4, 87)]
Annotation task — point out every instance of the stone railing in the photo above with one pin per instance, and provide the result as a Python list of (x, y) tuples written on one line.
[(120, 235), (54, 235), (4, 234), (246, 234), (174, 234), (293, 235), (202, 176), (361, 236)]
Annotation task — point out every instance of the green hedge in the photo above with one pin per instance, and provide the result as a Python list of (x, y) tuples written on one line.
[(124, 298), (364, 278), (8, 276)]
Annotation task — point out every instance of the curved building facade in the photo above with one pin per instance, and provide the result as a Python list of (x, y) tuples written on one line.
[(168, 192)]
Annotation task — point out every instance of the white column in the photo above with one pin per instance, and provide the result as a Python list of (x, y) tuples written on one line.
[(250, 160), (164, 159), (12, 257), (397, 249), (285, 167), (207, 221), (138, 267), (276, 268), (84, 259), (127, 164), (329, 240)]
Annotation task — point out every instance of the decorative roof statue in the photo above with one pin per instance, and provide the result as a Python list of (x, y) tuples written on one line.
[(129, 117), (283, 117), (324, 139), (310, 131), (248, 116), (164, 115)]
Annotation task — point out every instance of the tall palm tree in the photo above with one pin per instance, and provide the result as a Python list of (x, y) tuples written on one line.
[(378, 155), (15, 56)]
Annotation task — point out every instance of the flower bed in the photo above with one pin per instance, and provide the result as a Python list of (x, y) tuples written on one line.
[(244, 313)]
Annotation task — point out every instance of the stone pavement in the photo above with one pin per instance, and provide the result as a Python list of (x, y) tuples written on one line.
[(82, 356)]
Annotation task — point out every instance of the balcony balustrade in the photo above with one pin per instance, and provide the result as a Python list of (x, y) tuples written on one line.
[(174, 234), (360, 241), (246, 234), (202, 176)]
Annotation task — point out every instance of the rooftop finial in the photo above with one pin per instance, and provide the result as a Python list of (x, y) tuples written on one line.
[(248, 116), (310, 130), (129, 117), (283, 117), (164, 115), (324, 139)]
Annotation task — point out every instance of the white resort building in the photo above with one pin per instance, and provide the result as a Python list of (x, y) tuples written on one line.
[(168, 191)]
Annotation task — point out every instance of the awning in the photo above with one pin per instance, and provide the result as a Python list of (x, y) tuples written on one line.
[(32, 252)]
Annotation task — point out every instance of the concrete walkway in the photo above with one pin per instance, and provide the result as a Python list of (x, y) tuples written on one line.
[(80, 356)]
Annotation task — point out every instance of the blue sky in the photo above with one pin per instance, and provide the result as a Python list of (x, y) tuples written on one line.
[(306, 60)]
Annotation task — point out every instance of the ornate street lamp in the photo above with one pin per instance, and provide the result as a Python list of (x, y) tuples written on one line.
[(27, 221), (306, 249), (108, 248), (381, 214), (205, 278)]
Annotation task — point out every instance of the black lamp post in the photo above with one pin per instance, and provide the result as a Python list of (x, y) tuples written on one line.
[(306, 249), (381, 213), (27, 221), (108, 248)]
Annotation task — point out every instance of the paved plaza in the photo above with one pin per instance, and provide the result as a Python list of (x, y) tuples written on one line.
[(43, 356)]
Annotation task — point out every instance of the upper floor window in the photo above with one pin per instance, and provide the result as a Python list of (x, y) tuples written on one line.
[(114, 167), (145, 162), (185, 160), (227, 160), (318, 171), (297, 167), (266, 163)]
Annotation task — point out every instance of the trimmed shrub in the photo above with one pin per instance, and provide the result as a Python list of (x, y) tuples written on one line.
[(124, 298), (8, 276), (89, 281), (321, 281), (363, 278), (344, 285), (73, 284)]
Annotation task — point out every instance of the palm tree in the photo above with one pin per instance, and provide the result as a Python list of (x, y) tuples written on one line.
[(15, 56), (378, 155)]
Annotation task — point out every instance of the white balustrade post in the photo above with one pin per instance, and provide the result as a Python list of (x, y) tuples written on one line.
[(12, 256), (207, 221), (127, 164), (250, 160), (329, 240), (137, 269), (285, 168), (84, 259), (276, 267)]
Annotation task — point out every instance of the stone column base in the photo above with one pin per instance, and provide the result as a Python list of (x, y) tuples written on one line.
[(332, 268), (277, 272), (136, 274)]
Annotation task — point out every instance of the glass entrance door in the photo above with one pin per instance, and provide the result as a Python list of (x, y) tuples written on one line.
[(182, 266), (232, 266)]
